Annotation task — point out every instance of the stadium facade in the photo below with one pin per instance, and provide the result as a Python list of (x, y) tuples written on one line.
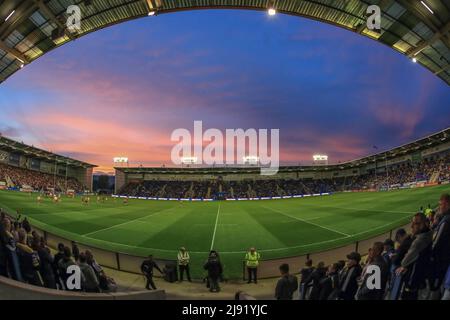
[(380, 164), (19, 155)]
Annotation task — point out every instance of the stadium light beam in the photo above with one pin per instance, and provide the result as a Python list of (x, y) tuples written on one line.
[(152, 13), (271, 11), (414, 60)]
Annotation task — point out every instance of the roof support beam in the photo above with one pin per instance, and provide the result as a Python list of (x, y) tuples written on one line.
[(446, 67), (43, 7), (437, 35), (18, 55), (23, 12)]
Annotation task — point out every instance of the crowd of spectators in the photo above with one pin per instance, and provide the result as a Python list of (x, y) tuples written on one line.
[(394, 176), (416, 266), (25, 257), (22, 177)]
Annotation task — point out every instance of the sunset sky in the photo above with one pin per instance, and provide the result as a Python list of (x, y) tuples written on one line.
[(121, 91)]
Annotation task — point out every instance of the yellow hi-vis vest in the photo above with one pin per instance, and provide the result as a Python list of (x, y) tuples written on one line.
[(252, 260)]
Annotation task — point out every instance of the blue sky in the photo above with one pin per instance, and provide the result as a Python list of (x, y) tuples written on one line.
[(124, 89)]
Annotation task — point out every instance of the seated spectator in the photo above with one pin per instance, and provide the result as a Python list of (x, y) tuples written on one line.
[(90, 282), (287, 285), (375, 261), (415, 265), (46, 262), (58, 257), (348, 284), (64, 264), (106, 284), (28, 261)]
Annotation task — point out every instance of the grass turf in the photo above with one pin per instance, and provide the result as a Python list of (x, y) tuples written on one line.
[(278, 228)]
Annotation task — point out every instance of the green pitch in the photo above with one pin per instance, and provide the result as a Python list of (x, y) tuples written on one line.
[(278, 228)]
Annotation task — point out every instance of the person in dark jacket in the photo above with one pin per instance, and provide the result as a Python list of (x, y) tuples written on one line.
[(348, 285), (404, 241), (89, 278), (147, 269), (441, 247), (416, 262), (63, 267), (305, 272), (46, 262), (375, 262), (215, 270), (286, 285), (58, 256), (314, 280), (75, 251), (3, 250), (329, 285), (26, 225)]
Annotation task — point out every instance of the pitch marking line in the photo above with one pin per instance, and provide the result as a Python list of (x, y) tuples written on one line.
[(215, 227), (306, 221), (356, 209), (127, 222)]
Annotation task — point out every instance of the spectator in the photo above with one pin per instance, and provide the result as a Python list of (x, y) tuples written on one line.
[(348, 284), (329, 285), (106, 284), (183, 263), (26, 225), (64, 264), (286, 285), (147, 269), (416, 263), (375, 261), (314, 280), (252, 261), (10, 250), (441, 247), (214, 268), (46, 262), (305, 272), (28, 261), (90, 282), (58, 256), (404, 241), (75, 251)]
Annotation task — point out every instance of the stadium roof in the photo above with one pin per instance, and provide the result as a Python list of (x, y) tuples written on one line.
[(381, 157), (21, 148), (418, 29)]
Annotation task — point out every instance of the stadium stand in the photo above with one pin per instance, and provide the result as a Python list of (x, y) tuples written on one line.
[(430, 170), (27, 168)]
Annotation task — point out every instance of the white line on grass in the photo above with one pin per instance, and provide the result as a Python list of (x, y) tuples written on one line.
[(127, 222), (356, 209), (305, 221), (215, 228)]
